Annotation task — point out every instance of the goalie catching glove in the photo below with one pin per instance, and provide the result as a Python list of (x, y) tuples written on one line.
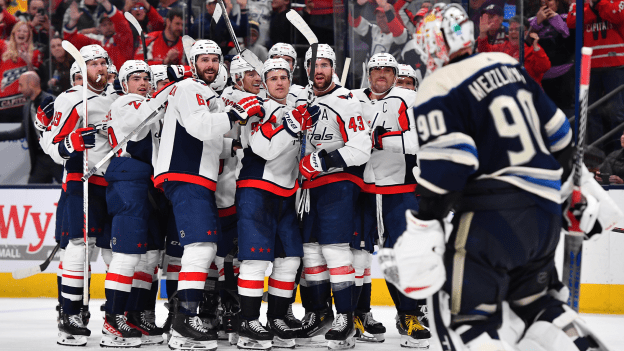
[(302, 118), (416, 263), (77, 141), (245, 108)]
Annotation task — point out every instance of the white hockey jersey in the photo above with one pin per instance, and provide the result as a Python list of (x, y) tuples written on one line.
[(340, 127), (293, 94), (389, 171), (68, 116), (270, 162), (192, 136)]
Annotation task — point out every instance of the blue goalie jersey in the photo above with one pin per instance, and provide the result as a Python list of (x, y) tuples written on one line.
[(485, 118)]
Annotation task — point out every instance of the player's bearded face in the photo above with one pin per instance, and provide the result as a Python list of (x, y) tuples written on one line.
[(322, 74), (207, 67), (97, 74), (381, 79)]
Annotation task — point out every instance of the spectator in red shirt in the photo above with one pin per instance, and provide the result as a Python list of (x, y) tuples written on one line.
[(604, 32), (536, 62), (7, 21), (18, 56), (165, 47), (115, 34), (146, 14)]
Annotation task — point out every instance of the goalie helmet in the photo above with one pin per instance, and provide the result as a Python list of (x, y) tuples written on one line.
[(275, 64), (239, 67), (72, 72), (283, 49), (383, 60), (221, 81), (129, 67), (324, 51), (457, 28), (92, 52), (204, 47), (159, 72)]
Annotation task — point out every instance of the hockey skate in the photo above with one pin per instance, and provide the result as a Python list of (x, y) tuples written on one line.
[(291, 320), (313, 329), (253, 336), (284, 336), (208, 310), (341, 334), (117, 333), (71, 331), (367, 328), (188, 333), (151, 334), (413, 334)]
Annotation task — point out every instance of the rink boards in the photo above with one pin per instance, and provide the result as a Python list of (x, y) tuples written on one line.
[(27, 222)]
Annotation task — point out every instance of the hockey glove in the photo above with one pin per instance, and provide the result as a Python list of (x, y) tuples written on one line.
[(300, 119), (45, 112), (313, 164), (377, 135), (245, 108), (416, 263), (177, 73), (77, 141), (117, 87)]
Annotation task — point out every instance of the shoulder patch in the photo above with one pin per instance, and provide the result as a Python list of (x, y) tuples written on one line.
[(346, 96)]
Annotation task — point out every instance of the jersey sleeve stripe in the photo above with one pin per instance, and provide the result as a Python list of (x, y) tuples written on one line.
[(558, 131), (455, 147), (403, 120), (68, 126), (268, 131), (343, 130)]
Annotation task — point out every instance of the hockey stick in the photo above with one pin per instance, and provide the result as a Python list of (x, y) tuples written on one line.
[(573, 244), (71, 49), (133, 21), (112, 153), (245, 54), (187, 43), (345, 71), (30, 271)]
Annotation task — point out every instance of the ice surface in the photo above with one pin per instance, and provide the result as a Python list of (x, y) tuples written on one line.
[(30, 324)]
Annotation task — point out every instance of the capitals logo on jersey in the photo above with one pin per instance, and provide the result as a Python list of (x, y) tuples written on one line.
[(11, 75)]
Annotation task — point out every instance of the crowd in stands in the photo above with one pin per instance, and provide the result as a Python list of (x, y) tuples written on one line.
[(30, 41)]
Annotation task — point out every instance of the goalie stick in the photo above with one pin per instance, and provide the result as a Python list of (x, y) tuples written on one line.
[(245, 54), (133, 21), (71, 49), (295, 19), (30, 271), (573, 242)]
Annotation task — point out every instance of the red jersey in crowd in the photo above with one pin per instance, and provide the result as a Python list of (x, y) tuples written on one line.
[(157, 49), (10, 97), (536, 63), (604, 32)]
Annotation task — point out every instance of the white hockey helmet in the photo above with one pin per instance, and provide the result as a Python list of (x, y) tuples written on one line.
[(457, 28), (159, 72), (222, 77), (203, 47), (407, 71), (112, 69), (238, 66), (72, 72), (324, 51), (275, 64), (92, 52), (435, 46), (132, 66), (283, 49), (383, 59)]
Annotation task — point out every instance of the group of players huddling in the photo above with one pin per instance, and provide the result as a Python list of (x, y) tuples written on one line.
[(212, 183)]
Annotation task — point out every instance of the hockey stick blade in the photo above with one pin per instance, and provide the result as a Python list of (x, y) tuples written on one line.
[(187, 43), (133, 21), (216, 16), (71, 49), (113, 152), (297, 21), (345, 71), (253, 60), (30, 271)]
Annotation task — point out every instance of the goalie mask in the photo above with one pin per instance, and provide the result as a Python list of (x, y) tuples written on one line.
[(221, 81), (203, 47), (443, 38), (283, 49), (130, 67), (324, 51)]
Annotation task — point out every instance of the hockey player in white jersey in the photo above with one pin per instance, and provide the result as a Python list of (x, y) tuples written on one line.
[(187, 170), (288, 53), (407, 78), (64, 141), (244, 77), (337, 148), (495, 150), (75, 76), (387, 110), (129, 180)]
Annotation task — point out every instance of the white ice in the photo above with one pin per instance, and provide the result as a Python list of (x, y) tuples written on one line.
[(30, 324)]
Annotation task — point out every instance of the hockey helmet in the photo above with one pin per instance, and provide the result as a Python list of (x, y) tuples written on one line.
[(129, 67), (324, 51), (204, 47), (407, 71), (457, 28), (275, 64), (159, 72), (239, 67), (383, 59), (221, 81), (92, 52), (435, 46), (72, 72), (283, 49), (112, 69)]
